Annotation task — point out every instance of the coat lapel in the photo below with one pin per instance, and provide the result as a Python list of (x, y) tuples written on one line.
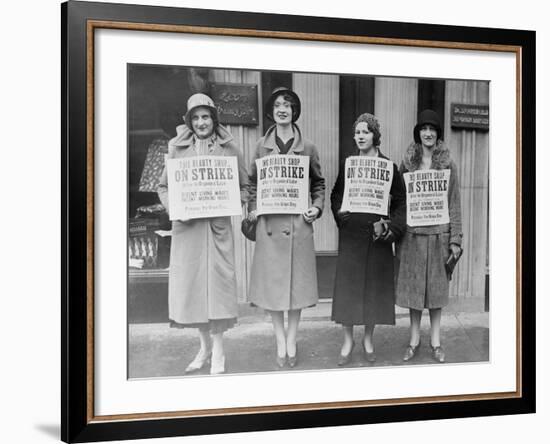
[(270, 143)]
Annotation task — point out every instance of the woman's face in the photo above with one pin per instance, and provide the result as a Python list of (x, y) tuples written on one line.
[(282, 111), (363, 136), (202, 122), (428, 135)]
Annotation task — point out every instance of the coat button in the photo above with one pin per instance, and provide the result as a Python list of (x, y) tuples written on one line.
[(269, 233), (287, 232)]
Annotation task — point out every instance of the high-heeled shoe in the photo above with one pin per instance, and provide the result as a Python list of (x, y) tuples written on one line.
[(411, 352), (218, 366), (293, 360), (345, 359), (438, 354), (200, 361), (369, 356), (281, 362)]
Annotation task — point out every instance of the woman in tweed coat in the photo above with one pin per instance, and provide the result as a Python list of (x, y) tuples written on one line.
[(422, 279)]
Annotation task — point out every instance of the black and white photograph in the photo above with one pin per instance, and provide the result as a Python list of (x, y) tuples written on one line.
[(282, 222), (286, 221), (275, 222)]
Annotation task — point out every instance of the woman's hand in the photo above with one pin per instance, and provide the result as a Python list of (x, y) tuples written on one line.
[(252, 216), (342, 218), (343, 215), (311, 214), (388, 235), (455, 250), (378, 228), (382, 230)]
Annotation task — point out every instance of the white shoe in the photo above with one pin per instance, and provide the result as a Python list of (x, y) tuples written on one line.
[(218, 366), (200, 361)]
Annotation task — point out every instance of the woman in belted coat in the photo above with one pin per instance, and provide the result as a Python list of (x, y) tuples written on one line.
[(202, 289), (364, 292), (284, 273), (423, 281)]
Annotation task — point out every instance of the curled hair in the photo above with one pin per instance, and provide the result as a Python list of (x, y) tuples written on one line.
[(373, 124)]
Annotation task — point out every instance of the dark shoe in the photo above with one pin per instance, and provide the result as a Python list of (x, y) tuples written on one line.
[(345, 359), (281, 362), (293, 360), (369, 356), (438, 354), (411, 352)]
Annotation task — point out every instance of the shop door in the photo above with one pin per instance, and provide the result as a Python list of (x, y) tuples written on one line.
[(356, 98)]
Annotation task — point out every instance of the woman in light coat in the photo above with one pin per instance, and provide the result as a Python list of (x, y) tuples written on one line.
[(284, 274), (364, 291), (202, 290), (423, 281)]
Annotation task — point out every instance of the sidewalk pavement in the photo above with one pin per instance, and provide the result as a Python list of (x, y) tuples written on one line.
[(156, 350)]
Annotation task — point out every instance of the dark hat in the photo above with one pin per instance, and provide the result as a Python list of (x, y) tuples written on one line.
[(281, 90), (200, 100), (428, 116)]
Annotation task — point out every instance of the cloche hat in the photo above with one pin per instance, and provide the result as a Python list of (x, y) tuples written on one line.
[(197, 100), (428, 116), (281, 90)]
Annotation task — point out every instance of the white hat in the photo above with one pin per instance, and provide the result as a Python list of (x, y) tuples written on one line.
[(197, 100)]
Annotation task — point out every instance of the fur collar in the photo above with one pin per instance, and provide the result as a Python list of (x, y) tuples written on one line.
[(185, 137), (441, 157)]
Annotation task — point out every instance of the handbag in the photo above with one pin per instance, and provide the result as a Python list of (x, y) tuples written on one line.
[(451, 263), (248, 228)]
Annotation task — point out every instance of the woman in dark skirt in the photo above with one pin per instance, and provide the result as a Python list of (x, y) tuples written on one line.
[(423, 281), (364, 287)]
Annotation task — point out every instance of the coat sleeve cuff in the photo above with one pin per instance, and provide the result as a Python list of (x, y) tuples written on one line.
[(456, 239), (320, 208)]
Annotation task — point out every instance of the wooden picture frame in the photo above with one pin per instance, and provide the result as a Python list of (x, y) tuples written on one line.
[(80, 22)]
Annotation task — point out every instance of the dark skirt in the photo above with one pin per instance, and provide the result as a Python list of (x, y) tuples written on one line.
[(422, 280), (364, 285)]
